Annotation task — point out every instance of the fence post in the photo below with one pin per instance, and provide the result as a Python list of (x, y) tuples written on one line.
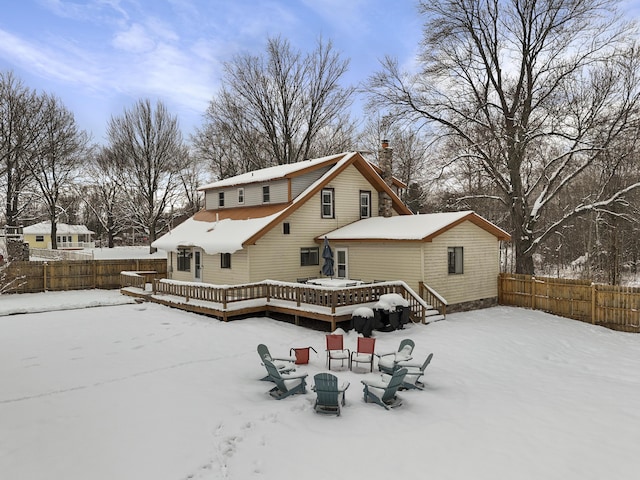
[(44, 276), (594, 292), (533, 293)]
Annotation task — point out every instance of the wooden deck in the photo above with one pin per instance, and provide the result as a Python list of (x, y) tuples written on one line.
[(331, 305)]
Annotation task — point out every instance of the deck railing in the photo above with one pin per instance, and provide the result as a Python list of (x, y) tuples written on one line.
[(300, 294), (433, 298)]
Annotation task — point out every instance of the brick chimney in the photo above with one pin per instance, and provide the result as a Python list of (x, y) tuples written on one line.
[(385, 162)]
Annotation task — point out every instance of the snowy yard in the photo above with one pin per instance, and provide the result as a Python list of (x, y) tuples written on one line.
[(141, 391)]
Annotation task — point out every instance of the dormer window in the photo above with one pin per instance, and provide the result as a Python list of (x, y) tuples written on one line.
[(327, 206), (241, 196), (266, 194), (365, 203), (221, 199)]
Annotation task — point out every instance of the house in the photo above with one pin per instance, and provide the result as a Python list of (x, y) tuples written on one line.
[(67, 236), (270, 224)]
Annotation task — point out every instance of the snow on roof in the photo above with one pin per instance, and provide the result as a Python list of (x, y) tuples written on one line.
[(401, 227), (224, 236), (228, 235), (270, 173), (44, 228)]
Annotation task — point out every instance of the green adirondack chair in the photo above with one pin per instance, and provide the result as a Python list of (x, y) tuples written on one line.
[(286, 383), (415, 371), (383, 392), (388, 362), (283, 364), (330, 397)]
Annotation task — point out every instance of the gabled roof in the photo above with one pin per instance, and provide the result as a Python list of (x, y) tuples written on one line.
[(273, 173), (44, 228), (230, 229), (420, 228)]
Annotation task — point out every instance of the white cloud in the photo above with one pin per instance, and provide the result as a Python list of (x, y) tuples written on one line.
[(45, 61), (135, 39)]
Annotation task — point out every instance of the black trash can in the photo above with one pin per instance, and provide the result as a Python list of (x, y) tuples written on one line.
[(381, 320), (394, 318), (404, 315)]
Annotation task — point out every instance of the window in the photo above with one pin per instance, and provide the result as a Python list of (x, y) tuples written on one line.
[(240, 196), (365, 204), (221, 199), (184, 260), (327, 203), (225, 260), (309, 256), (266, 195), (286, 228), (455, 259), (39, 238)]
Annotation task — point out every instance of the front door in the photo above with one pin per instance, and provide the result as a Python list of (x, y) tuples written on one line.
[(197, 265), (342, 270)]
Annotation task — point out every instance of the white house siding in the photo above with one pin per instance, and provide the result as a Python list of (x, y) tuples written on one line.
[(300, 183), (306, 224), (480, 262), (278, 190), (237, 274), (211, 271), (370, 261)]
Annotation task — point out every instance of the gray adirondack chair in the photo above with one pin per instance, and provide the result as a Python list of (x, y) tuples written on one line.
[(330, 397), (383, 392), (283, 364), (286, 383), (415, 371), (388, 362)]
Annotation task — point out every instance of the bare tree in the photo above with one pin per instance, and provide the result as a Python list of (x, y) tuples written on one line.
[(275, 108), (410, 157), (20, 124), (104, 194), (191, 176), (61, 147), (533, 93), (148, 146)]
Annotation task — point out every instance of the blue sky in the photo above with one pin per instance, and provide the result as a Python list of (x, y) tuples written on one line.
[(100, 56)]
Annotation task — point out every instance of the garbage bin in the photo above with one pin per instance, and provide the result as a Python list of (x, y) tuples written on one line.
[(381, 320), (363, 320), (394, 318), (405, 311)]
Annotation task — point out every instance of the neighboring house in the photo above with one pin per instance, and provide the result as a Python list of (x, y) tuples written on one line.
[(67, 236), (270, 224)]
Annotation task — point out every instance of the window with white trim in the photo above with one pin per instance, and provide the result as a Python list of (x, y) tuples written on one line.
[(184, 260), (327, 203), (225, 260), (455, 260), (309, 256), (365, 203), (241, 196)]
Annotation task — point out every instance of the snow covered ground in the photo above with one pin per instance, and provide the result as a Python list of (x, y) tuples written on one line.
[(142, 391)]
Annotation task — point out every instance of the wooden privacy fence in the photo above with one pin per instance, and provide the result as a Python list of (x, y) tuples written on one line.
[(30, 277), (610, 306)]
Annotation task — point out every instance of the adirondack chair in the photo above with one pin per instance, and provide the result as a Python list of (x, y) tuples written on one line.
[(283, 364), (364, 353), (388, 362), (286, 383), (414, 373), (383, 392), (330, 397), (336, 350)]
